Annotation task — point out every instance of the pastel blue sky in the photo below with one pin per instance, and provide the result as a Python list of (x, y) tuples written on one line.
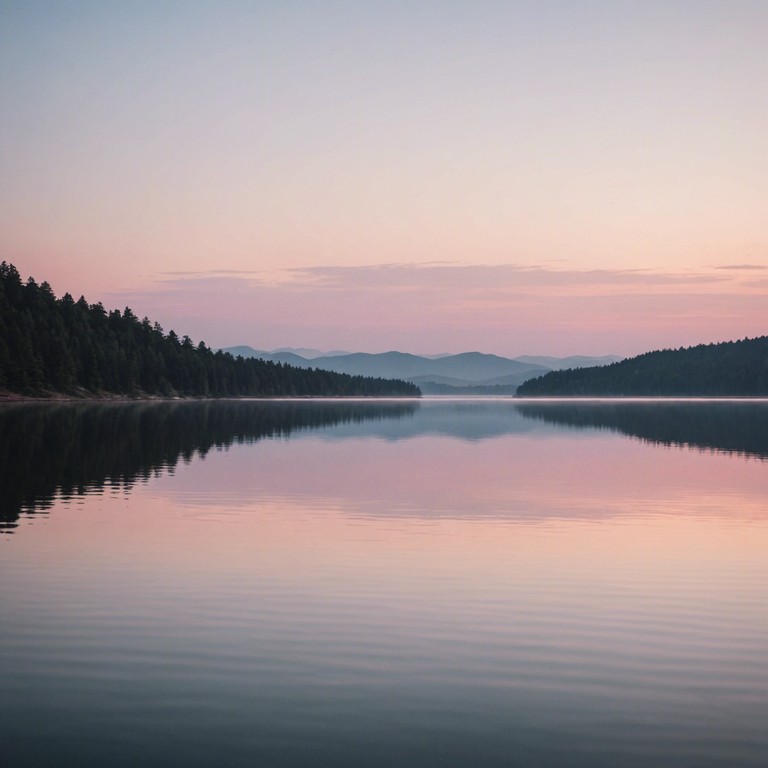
[(517, 177)]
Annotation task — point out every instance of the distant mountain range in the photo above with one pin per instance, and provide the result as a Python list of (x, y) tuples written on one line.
[(465, 373)]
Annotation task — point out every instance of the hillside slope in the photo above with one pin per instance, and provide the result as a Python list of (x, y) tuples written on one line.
[(727, 369), (62, 346)]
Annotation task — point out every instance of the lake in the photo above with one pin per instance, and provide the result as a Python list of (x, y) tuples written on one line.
[(380, 583)]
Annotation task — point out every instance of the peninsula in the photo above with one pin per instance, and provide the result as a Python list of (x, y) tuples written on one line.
[(727, 369), (53, 347)]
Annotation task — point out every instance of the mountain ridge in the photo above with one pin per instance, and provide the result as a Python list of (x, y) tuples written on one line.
[(463, 373)]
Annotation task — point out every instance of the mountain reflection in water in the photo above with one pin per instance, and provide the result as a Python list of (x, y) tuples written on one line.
[(49, 451)]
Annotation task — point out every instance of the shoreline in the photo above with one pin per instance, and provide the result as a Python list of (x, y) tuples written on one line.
[(13, 398), (16, 398), (60, 397)]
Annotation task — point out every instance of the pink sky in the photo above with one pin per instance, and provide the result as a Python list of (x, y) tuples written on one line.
[(512, 177)]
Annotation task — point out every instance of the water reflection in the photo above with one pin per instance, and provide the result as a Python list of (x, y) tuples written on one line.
[(63, 450), (435, 584), (736, 426), (50, 451)]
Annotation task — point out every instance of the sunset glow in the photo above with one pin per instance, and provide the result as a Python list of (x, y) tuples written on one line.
[(516, 178)]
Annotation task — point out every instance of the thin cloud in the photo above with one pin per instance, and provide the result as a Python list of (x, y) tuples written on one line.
[(429, 276), (741, 266), (209, 273), (509, 308), (438, 278)]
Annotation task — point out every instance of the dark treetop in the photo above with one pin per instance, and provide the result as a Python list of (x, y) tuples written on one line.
[(50, 345), (729, 369)]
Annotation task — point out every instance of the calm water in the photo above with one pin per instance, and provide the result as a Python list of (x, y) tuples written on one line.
[(483, 583)]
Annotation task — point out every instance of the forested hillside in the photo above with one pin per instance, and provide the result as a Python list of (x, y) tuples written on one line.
[(52, 345), (731, 368)]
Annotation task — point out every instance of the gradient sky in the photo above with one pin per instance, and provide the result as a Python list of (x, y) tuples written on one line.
[(531, 177)]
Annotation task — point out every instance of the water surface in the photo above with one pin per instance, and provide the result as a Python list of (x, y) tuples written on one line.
[(432, 583)]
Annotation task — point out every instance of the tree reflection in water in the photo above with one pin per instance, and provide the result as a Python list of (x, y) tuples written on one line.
[(49, 451)]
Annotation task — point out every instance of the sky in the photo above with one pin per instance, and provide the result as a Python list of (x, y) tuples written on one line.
[(521, 177)]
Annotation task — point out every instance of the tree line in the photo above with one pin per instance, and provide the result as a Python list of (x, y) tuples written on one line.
[(60, 345), (727, 369)]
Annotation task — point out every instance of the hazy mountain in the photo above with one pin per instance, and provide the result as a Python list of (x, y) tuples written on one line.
[(309, 354), (478, 367), (245, 351), (465, 373), (470, 390), (574, 361), (288, 358), (409, 365)]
